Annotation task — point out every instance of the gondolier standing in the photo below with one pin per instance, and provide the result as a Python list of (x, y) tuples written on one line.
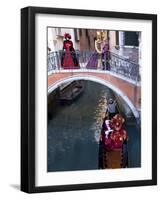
[(111, 108)]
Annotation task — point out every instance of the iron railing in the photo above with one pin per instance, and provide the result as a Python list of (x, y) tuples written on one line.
[(92, 60)]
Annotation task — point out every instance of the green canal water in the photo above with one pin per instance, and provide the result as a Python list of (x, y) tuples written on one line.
[(73, 132)]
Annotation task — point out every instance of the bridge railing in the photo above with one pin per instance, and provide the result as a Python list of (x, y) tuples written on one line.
[(124, 66), (107, 61)]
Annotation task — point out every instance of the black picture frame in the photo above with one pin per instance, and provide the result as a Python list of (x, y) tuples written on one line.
[(28, 98)]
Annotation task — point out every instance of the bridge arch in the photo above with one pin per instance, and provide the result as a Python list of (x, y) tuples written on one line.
[(56, 84)]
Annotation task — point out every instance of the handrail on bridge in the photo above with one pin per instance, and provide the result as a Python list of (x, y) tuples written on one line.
[(92, 60)]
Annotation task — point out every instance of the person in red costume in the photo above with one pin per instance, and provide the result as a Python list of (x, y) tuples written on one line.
[(69, 60), (118, 136)]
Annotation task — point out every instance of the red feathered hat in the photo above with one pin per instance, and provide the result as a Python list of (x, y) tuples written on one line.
[(118, 118), (117, 122), (67, 35)]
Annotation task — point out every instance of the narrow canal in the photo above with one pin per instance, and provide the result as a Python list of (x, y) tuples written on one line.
[(73, 132)]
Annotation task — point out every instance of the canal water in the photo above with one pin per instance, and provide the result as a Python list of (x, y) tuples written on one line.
[(73, 132)]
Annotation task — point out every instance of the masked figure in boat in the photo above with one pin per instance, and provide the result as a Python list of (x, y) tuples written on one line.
[(69, 59), (118, 136), (114, 138)]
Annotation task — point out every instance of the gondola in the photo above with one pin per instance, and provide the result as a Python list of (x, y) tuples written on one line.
[(109, 156), (71, 93)]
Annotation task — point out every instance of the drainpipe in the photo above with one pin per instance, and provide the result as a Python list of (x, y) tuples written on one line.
[(121, 39)]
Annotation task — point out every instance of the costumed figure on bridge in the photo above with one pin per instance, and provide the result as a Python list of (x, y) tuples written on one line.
[(99, 58), (69, 59), (94, 61), (105, 51), (99, 49)]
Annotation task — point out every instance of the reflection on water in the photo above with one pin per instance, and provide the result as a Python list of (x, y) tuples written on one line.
[(99, 112), (73, 132)]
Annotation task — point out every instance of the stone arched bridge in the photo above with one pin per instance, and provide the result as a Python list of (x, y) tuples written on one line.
[(128, 89)]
